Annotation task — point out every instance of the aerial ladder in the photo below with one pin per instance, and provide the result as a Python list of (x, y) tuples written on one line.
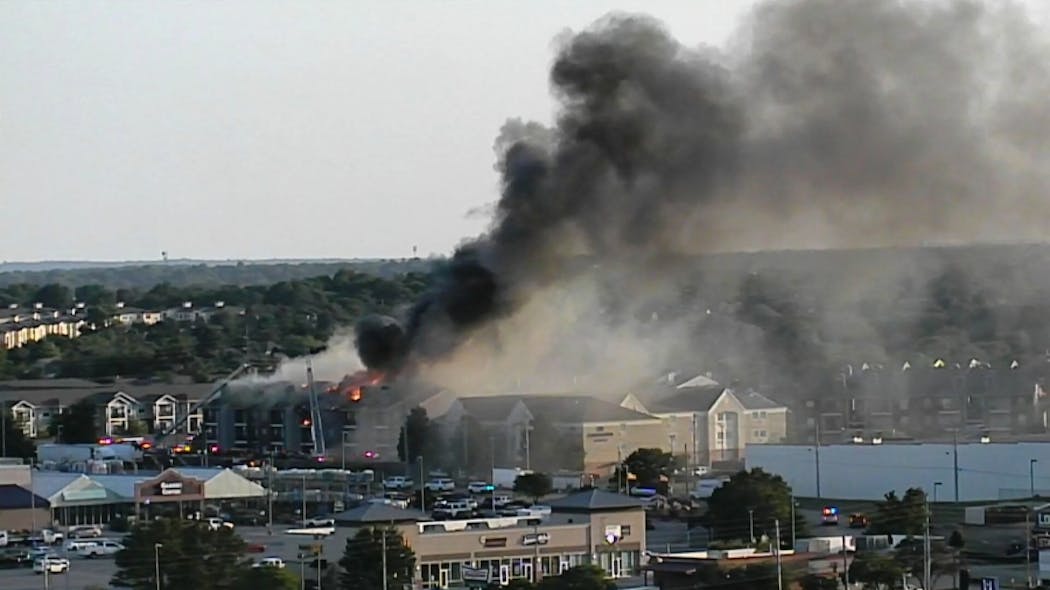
[(215, 394), (317, 428)]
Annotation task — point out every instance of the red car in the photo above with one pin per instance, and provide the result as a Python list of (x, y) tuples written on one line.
[(255, 548)]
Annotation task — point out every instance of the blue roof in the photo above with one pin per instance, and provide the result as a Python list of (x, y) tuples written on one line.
[(15, 497)]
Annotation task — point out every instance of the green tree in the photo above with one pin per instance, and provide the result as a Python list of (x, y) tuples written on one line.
[(815, 582), (136, 428), (750, 496), (900, 516), (417, 427), (519, 584), (363, 558), (875, 571), (648, 467), (78, 423), (190, 555), (54, 295), (15, 441), (581, 577), (534, 485), (267, 578)]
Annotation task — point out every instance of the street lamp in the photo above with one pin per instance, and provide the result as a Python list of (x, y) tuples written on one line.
[(1031, 476), (751, 523), (156, 562)]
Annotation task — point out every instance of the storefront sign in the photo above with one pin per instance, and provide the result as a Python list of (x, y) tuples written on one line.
[(170, 488), (494, 541), (613, 534), (536, 539), (476, 574)]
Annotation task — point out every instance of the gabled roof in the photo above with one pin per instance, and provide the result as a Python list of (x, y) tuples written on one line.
[(594, 500), (577, 409), (14, 497), (494, 408), (752, 400), (370, 513), (687, 399)]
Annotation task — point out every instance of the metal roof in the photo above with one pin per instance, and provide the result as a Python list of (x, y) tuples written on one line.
[(378, 513), (594, 500), (14, 497)]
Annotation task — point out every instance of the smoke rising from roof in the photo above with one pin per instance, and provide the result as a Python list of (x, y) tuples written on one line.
[(826, 123)]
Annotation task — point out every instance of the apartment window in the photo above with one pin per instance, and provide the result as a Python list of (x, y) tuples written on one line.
[(720, 435), (762, 434)]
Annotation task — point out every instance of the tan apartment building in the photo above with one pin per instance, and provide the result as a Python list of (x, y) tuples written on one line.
[(588, 527), (709, 423)]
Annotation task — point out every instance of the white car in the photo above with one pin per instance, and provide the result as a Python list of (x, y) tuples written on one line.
[(319, 521), (479, 487), (215, 523), (440, 484), (84, 531), (100, 548), (74, 545), (51, 564), (398, 482), (275, 562)]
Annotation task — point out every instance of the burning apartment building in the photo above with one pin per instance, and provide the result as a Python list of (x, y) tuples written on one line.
[(360, 417)]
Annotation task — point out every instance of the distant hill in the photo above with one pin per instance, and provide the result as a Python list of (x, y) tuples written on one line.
[(144, 275), (47, 265)]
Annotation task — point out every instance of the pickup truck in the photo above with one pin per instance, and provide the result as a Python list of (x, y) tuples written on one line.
[(100, 548), (215, 523), (46, 537)]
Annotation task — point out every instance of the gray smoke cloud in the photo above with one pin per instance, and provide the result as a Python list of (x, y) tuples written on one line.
[(825, 123)]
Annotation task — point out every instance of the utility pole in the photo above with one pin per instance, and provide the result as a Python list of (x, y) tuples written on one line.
[(751, 523), (780, 571), (3, 427), (1028, 547), (269, 496), (816, 456), (536, 554), (1031, 477), (792, 521), (955, 462), (422, 486), (304, 500), (528, 449), (384, 560), (492, 456), (926, 549), (845, 564)]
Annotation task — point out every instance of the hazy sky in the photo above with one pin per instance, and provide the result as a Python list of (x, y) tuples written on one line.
[(272, 129)]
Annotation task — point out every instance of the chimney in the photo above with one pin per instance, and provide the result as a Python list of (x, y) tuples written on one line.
[(38, 305), (120, 305), (220, 304), (12, 306), (187, 305), (81, 305)]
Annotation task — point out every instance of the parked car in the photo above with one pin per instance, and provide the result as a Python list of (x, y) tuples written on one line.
[(100, 548), (275, 562), (74, 545), (255, 548), (440, 484), (454, 509), (398, 482), (84, 531), (319, 521), (51, 564), (479, 487), (12, 558), (214, 523)]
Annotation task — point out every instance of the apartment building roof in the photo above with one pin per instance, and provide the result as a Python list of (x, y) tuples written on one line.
[(684, 399), (752, 400), (564, 409), (496, 408)]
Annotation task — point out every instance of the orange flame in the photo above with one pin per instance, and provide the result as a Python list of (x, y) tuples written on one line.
[(353, 385)]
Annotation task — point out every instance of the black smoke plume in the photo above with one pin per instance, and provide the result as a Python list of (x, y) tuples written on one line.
[(827, 123)]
